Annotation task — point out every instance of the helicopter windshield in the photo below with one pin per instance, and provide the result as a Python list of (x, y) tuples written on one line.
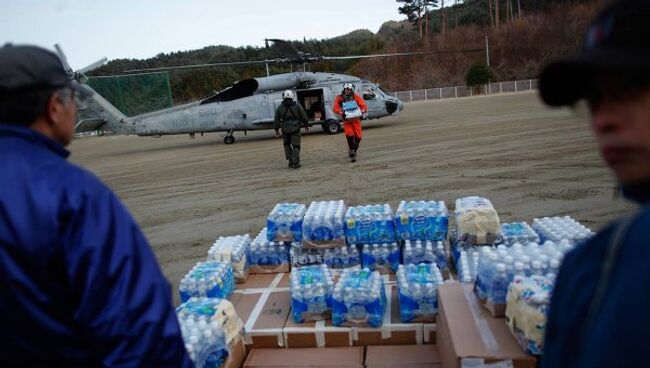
[(238, 90)]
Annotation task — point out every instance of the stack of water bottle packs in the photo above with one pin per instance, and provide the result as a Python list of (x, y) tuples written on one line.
[(477, 222), (518, 232), (558, 228), (369, 224), (526, 312), (208, 279), (305, 257), (209, 327), (285, 222), (345, 256), (311, 293), (425, 251), (497, 267), (422, 220), (341, 257), (384, 257), (203, 332), (267, 256), (323, 225), (359, 299), (232, 249), (417, 286)]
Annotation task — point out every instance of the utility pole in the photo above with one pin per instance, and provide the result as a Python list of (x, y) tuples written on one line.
[(487, 51)]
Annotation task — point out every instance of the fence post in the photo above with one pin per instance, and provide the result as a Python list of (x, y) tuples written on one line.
[(425, 94), (530, 84), (456, 91), (440, 93), (471, 91), (515, 86), (411, 95), (500, 87)]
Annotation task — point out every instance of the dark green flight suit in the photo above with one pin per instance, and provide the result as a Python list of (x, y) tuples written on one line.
[(289, 117)]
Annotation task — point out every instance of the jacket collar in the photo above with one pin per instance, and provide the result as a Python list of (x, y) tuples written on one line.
[(639, 193), (32, 136)]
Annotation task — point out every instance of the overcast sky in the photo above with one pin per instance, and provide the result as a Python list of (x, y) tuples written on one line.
[(91, 29)]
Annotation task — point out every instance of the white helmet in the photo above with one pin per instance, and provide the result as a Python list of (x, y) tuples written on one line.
[(348, 85), (288, 94)]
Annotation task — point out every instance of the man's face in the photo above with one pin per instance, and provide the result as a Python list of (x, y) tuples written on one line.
[(347, 91), (621, 122)]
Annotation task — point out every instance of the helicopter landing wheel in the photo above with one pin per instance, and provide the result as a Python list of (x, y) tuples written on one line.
[(332, 127), (229, 139)]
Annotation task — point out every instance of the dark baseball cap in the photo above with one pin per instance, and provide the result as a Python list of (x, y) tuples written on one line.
[(26, 68), (616, 42)]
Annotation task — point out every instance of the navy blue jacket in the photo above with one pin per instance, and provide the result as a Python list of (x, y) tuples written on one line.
[(79, 284), (620, 331)]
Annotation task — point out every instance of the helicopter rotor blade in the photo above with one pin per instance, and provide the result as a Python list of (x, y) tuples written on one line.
[(394, 54), (207, 65), (64, 60), (93, 66), (299, 59)]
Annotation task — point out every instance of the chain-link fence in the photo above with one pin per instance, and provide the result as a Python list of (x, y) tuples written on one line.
[(464, 91), (135, 94)]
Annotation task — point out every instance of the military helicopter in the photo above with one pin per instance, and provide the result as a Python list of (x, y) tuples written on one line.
[(248, 104)]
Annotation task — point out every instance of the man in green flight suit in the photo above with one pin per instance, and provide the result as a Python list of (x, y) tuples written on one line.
[(289, 117)]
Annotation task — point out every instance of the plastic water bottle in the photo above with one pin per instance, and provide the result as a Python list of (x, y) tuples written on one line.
[(285, 222), (517, 232), (417, 289), (559, 228), (205, 340), (232, 249), (421, 220), (324, 222), (208, 279), (500, 284), (262, 252)]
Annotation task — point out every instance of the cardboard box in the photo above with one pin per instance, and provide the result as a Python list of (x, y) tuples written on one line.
[(264, 310), (264, 281), (257, 269), (403, 356), (468, 334), (315, 334), (393, 331), (429, 331), (496, 310), (312, 358), (237, 354)]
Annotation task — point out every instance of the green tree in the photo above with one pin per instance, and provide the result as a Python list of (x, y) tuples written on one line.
[(478, 75), (416, 12)]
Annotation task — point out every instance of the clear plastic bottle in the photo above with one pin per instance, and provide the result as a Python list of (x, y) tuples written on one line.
[(500, 284)]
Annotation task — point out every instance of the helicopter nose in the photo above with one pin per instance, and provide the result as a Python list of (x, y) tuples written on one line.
[(394, 105)]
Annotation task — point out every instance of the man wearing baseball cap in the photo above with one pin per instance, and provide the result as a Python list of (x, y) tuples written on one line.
[(79, 284), (599, 308)]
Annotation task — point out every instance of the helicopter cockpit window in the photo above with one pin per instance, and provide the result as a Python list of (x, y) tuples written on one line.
[(238, 90), (368, 92)]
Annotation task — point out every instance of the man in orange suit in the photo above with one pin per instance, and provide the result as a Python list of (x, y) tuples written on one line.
[(352, 109)]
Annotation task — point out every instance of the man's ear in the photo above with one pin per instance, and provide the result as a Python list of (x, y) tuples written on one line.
[(54, 108)]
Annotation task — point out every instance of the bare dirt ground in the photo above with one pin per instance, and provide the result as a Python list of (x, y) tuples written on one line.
[(531, 161)]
